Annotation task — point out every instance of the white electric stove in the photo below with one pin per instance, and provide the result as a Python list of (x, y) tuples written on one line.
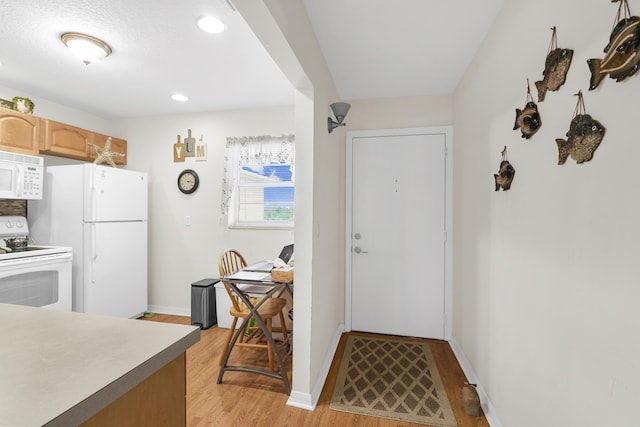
[(33, 275)]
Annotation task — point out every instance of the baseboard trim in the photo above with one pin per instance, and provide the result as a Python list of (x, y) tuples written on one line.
[(310, 400), (487, 407), (176, 311)]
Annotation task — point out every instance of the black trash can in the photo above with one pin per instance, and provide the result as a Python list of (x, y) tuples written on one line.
[(203, 303)]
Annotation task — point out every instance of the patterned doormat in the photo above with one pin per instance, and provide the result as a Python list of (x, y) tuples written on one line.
[(391, 378)]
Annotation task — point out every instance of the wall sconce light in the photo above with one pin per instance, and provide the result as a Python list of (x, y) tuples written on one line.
[(340, 110), (88, 49)]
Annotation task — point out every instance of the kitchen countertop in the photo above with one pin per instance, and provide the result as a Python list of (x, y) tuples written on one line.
[(61, 368)]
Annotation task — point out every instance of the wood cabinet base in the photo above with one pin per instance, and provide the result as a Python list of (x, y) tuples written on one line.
[(160, 400)]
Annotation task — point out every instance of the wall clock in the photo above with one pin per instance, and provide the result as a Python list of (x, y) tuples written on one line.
[(188, 181)]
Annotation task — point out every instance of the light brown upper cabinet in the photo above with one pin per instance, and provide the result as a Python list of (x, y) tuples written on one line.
[(64, 140), (27, 134), (19, 133), (70, 141)]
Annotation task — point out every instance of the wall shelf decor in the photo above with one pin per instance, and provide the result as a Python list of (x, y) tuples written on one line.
[(556, 67), (583, 138), (504, 177), (622, 54), (528, 119), (178, 151)]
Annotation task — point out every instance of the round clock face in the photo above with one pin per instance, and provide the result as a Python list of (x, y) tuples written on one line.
[(188, 181)]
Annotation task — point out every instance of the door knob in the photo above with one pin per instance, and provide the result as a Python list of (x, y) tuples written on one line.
[(359, 250)]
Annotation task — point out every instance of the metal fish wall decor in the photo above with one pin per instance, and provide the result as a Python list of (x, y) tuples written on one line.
[(528, 119), (622, 54), (556, 67), (504, 177), (583, 138)]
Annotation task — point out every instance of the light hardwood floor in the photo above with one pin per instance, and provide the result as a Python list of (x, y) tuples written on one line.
[(255, 400)]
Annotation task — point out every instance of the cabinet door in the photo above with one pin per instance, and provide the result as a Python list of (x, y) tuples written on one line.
[(65, 141), (117, 146), (19, 132)]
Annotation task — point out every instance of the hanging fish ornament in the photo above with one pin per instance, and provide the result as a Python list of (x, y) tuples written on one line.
[(505, 175), (528, 119), (622, 54), (556, 67), (583, 138)]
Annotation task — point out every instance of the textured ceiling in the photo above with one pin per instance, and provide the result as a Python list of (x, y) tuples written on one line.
[(374, 48), (382, 48), (157, 51)]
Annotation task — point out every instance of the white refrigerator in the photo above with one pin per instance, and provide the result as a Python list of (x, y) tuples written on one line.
[(101, 212)]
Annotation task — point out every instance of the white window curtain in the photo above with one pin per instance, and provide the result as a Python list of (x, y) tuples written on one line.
[(252, 151)]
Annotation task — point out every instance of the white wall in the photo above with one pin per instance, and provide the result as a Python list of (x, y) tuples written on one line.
[(180, 254), (405, 112), (54, 111), (546, 274), (284, 29)]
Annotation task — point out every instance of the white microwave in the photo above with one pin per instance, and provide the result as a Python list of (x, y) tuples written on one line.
[(21, 176)]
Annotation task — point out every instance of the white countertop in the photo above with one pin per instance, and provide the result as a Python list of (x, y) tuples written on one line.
[(60, 368)]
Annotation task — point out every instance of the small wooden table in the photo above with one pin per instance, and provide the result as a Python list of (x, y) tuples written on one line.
[(243, 288)]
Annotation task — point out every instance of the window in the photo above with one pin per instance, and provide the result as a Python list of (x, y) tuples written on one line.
[(258, 188)]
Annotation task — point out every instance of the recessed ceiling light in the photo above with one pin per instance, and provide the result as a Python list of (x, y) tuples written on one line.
[(210, 24), (89, 49), (179, 97)]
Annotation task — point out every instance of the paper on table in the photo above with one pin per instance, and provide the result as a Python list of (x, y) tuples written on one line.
[(249, 275), (254, 290)]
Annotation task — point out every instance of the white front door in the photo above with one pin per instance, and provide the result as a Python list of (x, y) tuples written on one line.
[(396, 266)]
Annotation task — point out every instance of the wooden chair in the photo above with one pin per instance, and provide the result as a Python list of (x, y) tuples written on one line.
[(229, 262)]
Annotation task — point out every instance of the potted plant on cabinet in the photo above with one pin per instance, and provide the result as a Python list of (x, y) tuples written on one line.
[(22, 104)]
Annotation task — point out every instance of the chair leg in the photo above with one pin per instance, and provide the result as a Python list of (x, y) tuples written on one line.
[(229, 336), (283, 327), (270, 349), (243, 334)]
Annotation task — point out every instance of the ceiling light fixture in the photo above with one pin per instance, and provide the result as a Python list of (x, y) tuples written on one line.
[(340, 110), (89, 49), (211, 24), (179, 97)]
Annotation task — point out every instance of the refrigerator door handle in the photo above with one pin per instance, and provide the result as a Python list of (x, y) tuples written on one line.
[(94, 244), (94, 203)]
